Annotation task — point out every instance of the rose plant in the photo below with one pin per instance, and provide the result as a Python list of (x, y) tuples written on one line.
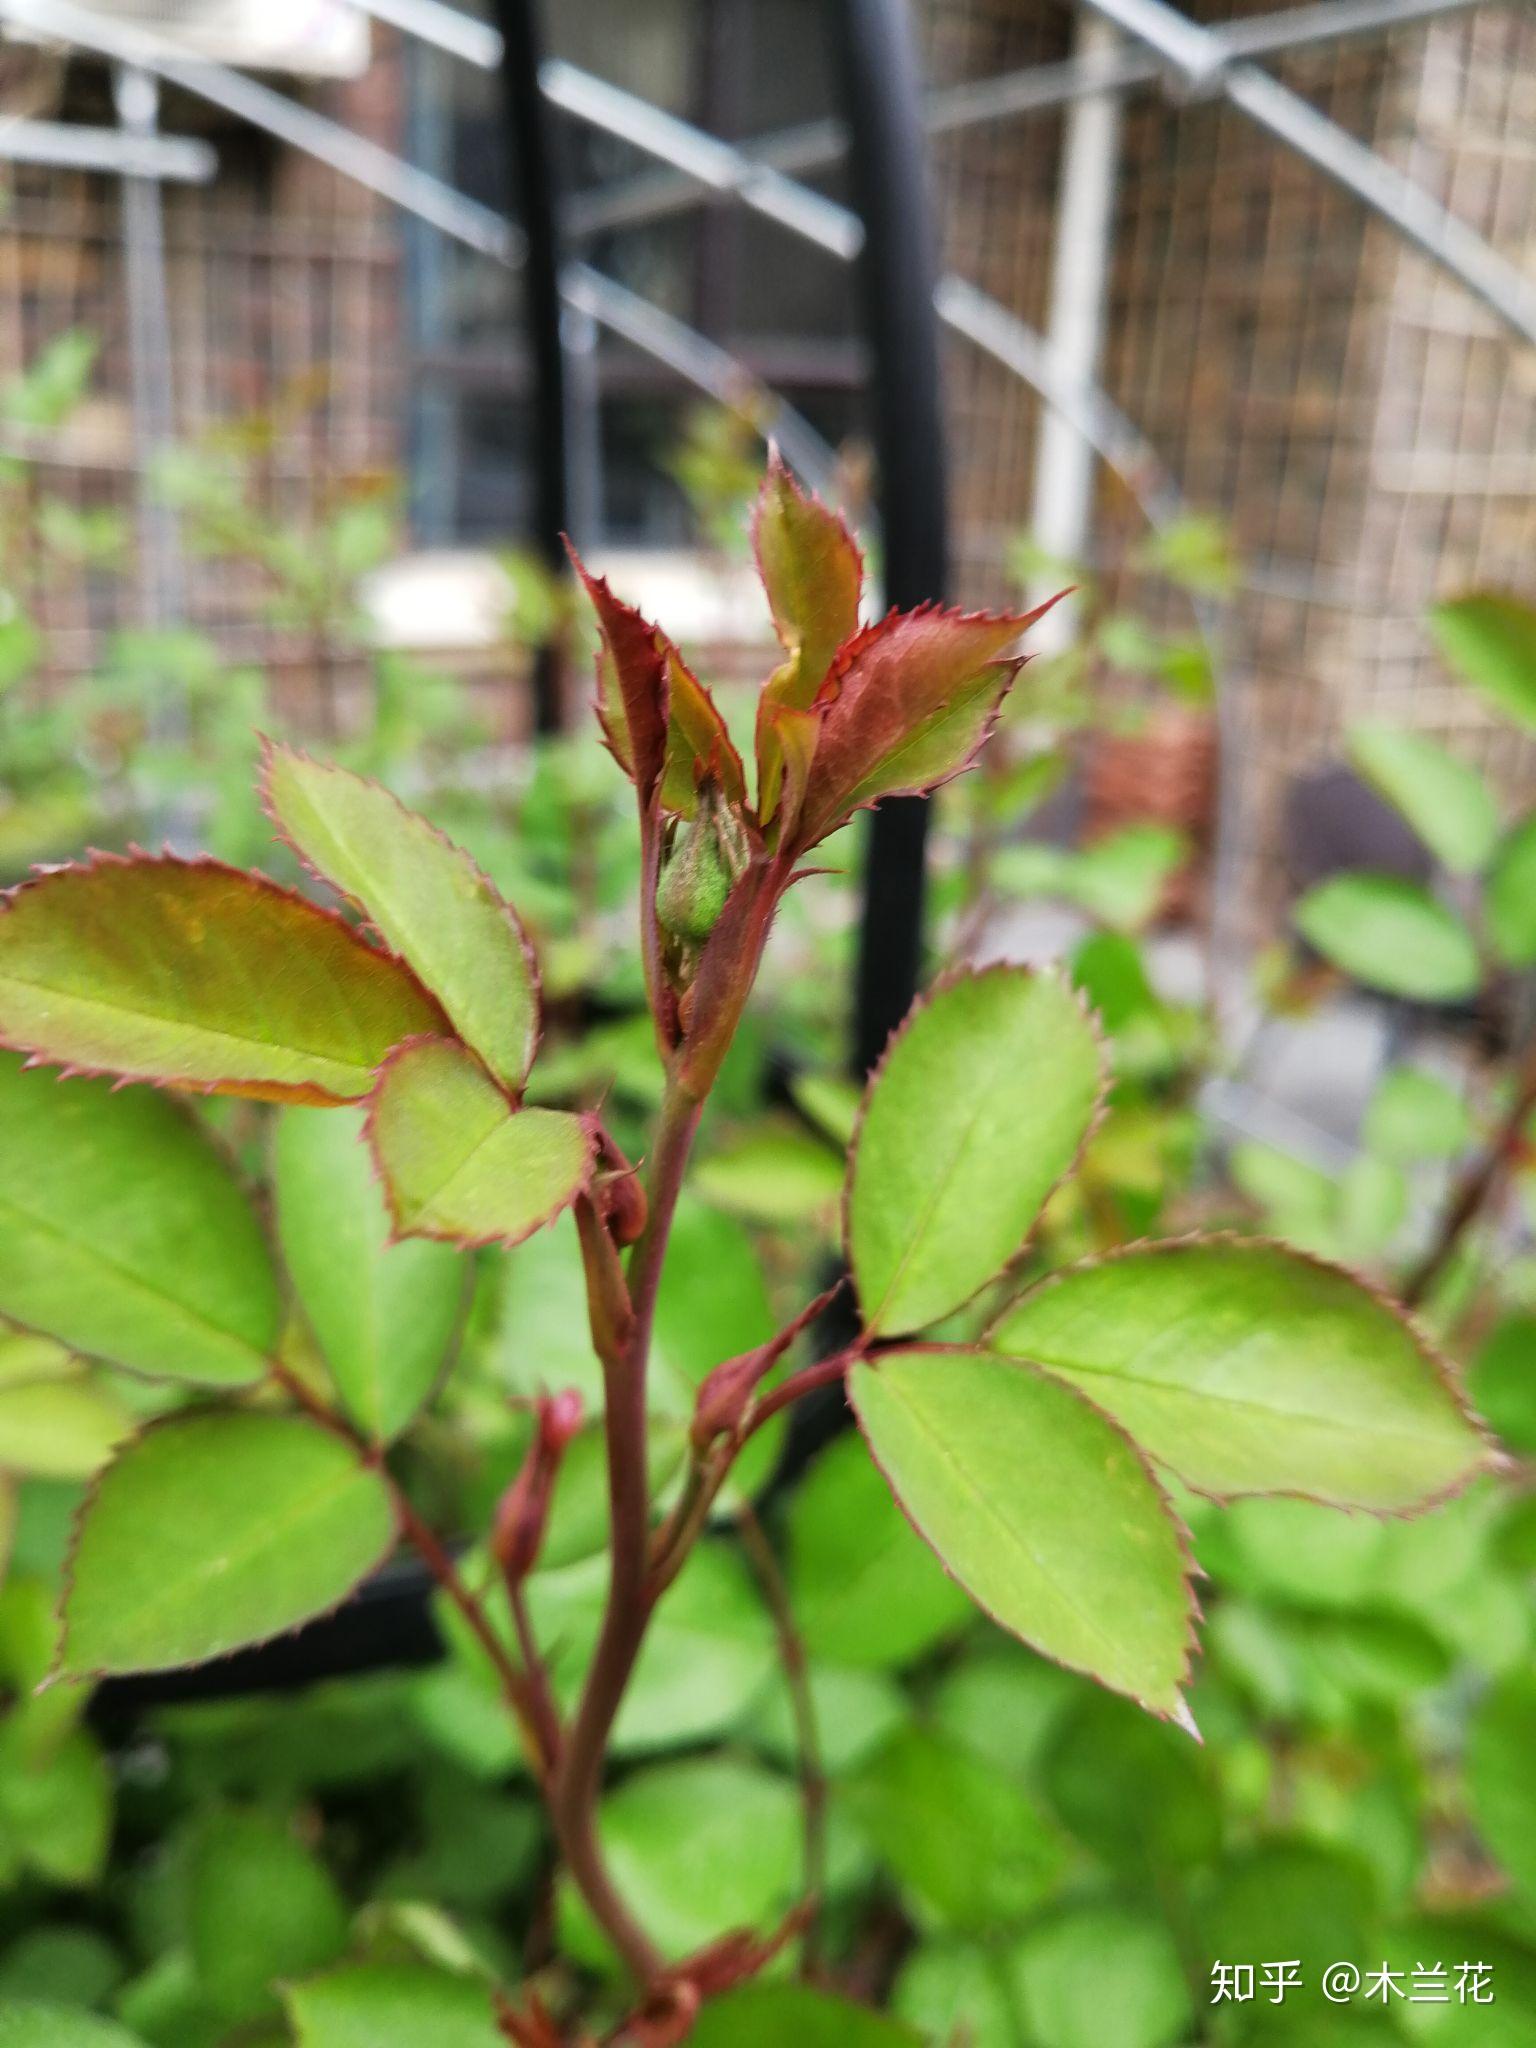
[(1030, 1436)]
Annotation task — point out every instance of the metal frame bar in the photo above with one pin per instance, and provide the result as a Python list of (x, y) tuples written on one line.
[(71, 147), (535, 195), (898, 275), (645, 327), (1205, 65)]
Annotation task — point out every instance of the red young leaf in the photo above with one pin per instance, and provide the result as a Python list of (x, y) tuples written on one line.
[(662, 725), (907, 705), (197, 976)]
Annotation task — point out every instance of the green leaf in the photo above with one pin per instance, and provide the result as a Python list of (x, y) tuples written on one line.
[(774, 1175), (1251, 1368), (1042, 1510), (1133, 1791), (1415, 1115), (1445, 800), (27, 2025), (261, 1908), (53, 384), (966, 1846), (1391, 935), (197, 975), (769, 2015), (1121, 880), (385, 1314), (124, 1233), (864, 1590), (955, 1991), (393, 2005), (426, 898), (1490, 640), (977, 1111), (674, 1837), (1510, 901), (60, 1428), (56, 1806), (1501, 1776), (461, 1162), (1503, 1382), (213, 1531), (1102, 1976)]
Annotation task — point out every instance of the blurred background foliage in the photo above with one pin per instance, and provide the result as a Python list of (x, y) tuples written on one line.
[(1007, 1858)]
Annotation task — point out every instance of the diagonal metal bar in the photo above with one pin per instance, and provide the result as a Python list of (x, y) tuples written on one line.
[(352, 155), (73, 147), (1203, 61), (645, 327), (818, 145)]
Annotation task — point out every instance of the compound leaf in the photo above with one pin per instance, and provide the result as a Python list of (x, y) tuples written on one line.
[(425, 897), (1251, 1368), (1042, 1510), (978, 1109), (124, 1232), (384, 1314), (199, 976), (461, 1162), (212, 1531), (1391, 935)]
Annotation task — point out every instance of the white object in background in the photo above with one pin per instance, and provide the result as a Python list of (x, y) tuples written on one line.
[(302, 38), (449, 600)]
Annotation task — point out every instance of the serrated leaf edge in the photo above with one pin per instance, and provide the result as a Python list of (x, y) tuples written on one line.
[(399, 1234), (1443, 1368), (304, 1093), (271, 748), (941, 985), (1190, 1568), (58, 1675)]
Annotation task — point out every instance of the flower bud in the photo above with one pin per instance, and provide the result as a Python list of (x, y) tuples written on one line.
[(523, 1516), (704, 866)]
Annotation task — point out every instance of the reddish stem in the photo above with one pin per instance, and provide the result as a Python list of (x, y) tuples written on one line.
[(579, 1780)]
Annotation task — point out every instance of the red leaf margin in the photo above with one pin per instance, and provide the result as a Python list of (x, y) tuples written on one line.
[(303, 1093), (589, 1121), (269, 749), (1190, 1566), (1495, 1457)]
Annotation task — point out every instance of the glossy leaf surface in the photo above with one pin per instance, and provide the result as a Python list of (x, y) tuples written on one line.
[(199, 976), (1042, 1510), (1248, 1368), (212, 1531), (384, 1314), (124, 1232), (978, 1109), (425, 897), (1391, 935), (458, 1161)]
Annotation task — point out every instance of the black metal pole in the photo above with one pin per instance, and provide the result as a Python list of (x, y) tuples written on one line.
[(877, 62), (535, 196)]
